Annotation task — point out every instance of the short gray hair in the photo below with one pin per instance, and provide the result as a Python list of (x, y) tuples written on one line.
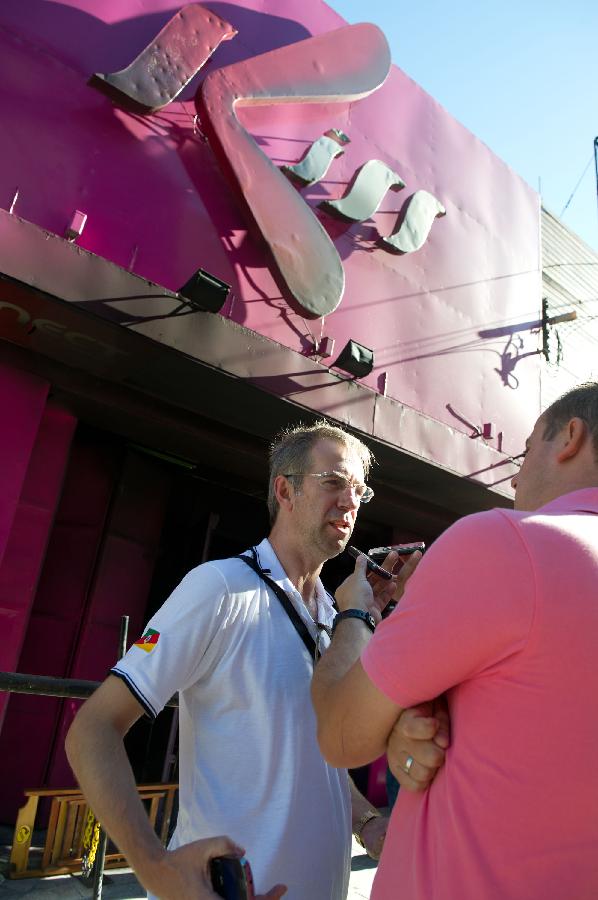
[(291, 452), (579, 402)]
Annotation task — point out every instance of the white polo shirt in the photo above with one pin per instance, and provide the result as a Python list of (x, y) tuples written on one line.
[(249, 761)]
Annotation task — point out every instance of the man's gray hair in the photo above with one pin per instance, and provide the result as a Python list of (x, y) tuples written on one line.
[(580, 402), (291, 452)]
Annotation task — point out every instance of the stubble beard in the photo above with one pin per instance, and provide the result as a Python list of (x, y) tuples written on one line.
[(328, 545)]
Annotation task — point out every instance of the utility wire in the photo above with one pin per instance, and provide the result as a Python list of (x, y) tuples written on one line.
[(577, 185)]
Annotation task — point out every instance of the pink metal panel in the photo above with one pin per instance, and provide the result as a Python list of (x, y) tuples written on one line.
[(447, 322), (30, 722), (22, 401), (92, 577), (53, 628), (20, 568), (120, 586)]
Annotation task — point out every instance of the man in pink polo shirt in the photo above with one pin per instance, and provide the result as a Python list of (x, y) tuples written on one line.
[(502, 617)]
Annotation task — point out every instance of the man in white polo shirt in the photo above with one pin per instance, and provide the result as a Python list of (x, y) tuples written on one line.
[(242, 664)]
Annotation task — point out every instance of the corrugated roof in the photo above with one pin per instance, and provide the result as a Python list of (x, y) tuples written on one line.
[(569, 282)]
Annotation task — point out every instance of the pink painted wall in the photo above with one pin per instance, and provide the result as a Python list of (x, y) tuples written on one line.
[(447, 323)]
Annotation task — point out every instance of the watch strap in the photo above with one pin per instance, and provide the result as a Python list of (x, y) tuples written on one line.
[(355, 614), (366, 817)]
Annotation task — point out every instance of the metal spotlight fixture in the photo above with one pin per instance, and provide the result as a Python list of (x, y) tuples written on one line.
[(355, 359), (204, 291)]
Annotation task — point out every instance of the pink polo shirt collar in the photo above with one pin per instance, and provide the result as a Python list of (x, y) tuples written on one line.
[(584, 500)]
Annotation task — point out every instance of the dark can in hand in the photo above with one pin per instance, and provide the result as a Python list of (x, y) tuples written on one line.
[(232, 878)]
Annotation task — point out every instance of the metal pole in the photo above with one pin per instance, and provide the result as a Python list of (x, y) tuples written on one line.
[(48, 686), (98, 865), (122, 640)]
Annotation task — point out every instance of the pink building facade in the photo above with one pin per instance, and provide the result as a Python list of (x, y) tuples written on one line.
[(201, 206)]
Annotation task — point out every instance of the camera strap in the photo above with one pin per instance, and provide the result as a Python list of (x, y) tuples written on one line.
[(297, 622)]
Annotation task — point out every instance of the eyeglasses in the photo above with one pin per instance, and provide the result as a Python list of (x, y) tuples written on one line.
[(337, 483), (518, 460)]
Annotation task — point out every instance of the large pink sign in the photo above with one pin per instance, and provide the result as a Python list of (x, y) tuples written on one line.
[(337, 198)]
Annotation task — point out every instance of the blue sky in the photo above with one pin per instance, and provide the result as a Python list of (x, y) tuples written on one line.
[(522, 76)]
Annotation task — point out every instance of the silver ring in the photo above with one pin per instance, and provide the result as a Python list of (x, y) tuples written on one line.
[(408, 763)]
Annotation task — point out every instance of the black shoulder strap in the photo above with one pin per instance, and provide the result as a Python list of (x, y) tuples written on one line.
[(288, 607)]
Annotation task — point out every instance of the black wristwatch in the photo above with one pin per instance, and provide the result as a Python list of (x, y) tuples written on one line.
[(355, 614)]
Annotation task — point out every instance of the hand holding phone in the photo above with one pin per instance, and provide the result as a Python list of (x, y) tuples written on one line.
[(371, 565), (231, 877), (380, 553)]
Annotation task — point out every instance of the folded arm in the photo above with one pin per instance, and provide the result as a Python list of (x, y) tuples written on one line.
[(422, 734)]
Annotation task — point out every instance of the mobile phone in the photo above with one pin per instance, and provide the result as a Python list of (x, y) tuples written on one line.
[(380, 553), (232, 878), (372, 566)]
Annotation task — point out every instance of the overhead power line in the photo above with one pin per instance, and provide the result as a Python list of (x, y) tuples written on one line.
[(589, 163)]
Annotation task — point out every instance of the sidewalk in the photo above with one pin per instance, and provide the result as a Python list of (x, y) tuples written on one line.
[(121, 884), (363, 870)]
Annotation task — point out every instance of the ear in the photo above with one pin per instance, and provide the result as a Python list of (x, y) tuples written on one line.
[(284, 492), (575, 437)]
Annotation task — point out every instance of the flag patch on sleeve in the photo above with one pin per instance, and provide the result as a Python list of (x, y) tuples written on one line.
[(148, 641)]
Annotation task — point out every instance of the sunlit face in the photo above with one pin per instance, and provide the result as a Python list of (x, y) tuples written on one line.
[(533, 483), (324, 517)]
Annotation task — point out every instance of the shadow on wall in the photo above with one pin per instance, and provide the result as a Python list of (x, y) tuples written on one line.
[(92, 45)]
